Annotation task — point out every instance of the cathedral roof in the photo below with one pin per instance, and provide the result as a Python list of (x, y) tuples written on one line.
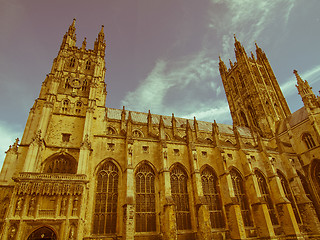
[(294, 119), (141, 117)]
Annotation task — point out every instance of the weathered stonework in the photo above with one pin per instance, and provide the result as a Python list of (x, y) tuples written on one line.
[(84, 171)]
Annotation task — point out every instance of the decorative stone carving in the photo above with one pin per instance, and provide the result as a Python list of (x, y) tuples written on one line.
[(75, 206), (12, 232), (63, 208), (86, 143), (32, 205)]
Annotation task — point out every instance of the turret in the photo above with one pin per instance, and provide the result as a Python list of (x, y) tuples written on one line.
[(100, 43), (69, 39), (305, 91)]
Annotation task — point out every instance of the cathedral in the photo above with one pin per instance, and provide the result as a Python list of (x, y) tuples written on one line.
[(88, 172)]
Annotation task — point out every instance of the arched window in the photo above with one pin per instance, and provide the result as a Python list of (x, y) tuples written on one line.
[(43, 233), (84, 85), (211, 193), (65, 106), (179, 192), (60, 164), (105, 211), (145, 199), (253, 116), (111, 131), (72, 62), (244, 119), (265, 193), (308, 140), (88, 65), (234, 85), (67, 83), (305, 185), (241, 80), (137, 133), (78, 107), (240, 194), (289, 196), (3, 207)]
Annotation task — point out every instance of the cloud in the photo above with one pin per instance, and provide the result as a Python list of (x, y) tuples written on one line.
[(168, 76), (220, 113), (8, 133), (248, 19)]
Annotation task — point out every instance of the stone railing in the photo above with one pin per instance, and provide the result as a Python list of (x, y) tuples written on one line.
[(50, 176)]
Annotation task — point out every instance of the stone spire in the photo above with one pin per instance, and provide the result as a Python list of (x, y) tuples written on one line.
[(305, 91), (100, 43), (69, 39)]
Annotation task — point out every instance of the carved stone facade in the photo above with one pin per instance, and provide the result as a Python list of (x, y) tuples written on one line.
[(84, 171)]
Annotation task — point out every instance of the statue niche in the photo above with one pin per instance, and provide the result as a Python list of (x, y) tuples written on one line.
[(62, 163)]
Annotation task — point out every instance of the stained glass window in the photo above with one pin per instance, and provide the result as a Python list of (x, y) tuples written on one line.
[(145, 199), (180, 196), (239, 191), (289, 196), (265, 193), (211, 193), (105, 211)]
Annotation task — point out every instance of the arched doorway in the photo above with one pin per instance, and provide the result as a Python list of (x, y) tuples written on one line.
[(43, 233)]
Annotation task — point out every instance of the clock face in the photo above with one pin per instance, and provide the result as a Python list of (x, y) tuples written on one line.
[(76, 83)]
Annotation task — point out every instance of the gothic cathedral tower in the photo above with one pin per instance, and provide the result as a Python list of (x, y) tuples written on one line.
[(253, 93), (70, 93)]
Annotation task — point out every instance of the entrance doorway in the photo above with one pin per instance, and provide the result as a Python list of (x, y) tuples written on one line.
[(43, 233)]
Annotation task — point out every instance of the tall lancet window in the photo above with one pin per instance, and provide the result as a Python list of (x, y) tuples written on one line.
[(105, 211), (266, 196), (145, 199), (211, 193), (179, 191), (240, 194), (289, 196)]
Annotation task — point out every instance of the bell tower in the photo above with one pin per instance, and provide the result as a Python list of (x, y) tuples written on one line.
[(253, 93), (62, 115)]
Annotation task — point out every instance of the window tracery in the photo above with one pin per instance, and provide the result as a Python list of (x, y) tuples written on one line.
[(239, 191), (145, 199), (88, 65), (289, 196), (72, 62), (106, 197), (84, 85), (67, 83), (265, 193), (136, 133), (211, 193), (179, 191), (78, 107), (61, 164), (308, 140), (65, 106)]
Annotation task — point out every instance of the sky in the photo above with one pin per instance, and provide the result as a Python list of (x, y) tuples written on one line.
[(162, 55)]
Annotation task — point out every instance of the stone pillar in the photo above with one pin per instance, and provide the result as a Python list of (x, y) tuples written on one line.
[(128, 207), (84, 156), (285, 212), (203, 216), (36, 144), (168, 226), (233, 211), (259, 207), (309, 217)]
